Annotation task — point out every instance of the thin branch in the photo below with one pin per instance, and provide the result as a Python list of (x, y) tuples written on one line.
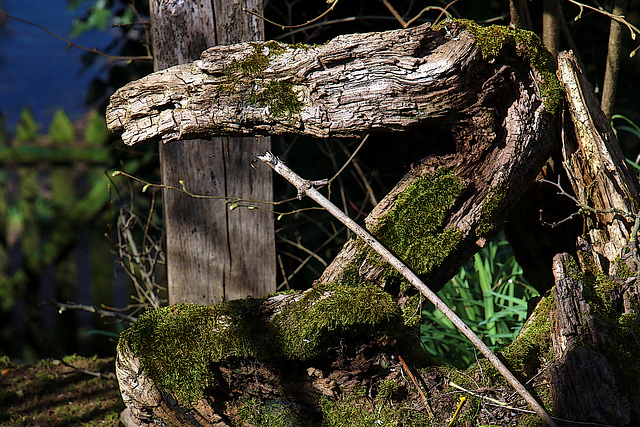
[(405, 24), (233, 202), (110, 375), (305, 187), (333, 4), (91, 309), (311, 255), (350, 158), (582, 208), (506, 406), (425, 401), (69, 43), (619, 18)]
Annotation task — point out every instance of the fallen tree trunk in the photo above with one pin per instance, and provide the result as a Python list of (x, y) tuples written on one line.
[(351, 86), (491, 130), (489, 121)]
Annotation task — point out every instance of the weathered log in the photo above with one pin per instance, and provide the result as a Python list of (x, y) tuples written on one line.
[(361, 366), (350, 86), (480, 108), (490, 116), (583, 381)]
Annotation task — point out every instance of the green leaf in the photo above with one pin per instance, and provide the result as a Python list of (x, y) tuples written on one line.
[(27, 128), (99, 18), (78, 27), (127, 18), (74, 4), (61, 129), (96, 132)]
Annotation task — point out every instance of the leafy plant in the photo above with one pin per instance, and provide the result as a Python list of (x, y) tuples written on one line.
[(27, 129), (61, 129), (489, 294)]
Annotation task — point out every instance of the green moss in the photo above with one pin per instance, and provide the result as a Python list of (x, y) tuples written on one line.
[(623, 270), (620, 349), (530, 420), (490, 214), (276, 48), (354, 309), (256, 63), (597, 287), (272, 413), (411, 311), (279, 96), (533, 346), (388, 389), (177, 345), (414, 229), (354, 411), (492, 39)]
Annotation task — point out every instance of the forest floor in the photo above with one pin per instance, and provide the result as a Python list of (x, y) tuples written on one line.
[(70, 392)]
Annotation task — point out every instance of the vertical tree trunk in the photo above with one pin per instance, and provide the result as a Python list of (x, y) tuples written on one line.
[(613, 60), (551, 26), (211, 251)]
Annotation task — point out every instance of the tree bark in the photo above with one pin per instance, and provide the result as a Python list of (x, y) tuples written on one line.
[(210, 250), (350, 86), (593, 294), (488, 116), (584, 385), (597, 171), (485, 120)]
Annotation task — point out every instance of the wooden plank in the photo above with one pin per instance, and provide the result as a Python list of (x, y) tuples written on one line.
[(209, 253)]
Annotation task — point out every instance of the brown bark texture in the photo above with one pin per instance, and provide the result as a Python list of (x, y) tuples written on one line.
[(350, 86), (485, 119), (487, 132)]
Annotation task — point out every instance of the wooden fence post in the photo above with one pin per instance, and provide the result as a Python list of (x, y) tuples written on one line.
[(213, 254)]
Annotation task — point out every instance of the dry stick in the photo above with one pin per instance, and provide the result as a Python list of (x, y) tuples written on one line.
[(306, 187)]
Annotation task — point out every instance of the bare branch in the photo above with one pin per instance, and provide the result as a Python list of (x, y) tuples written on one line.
[(91, 309), (305, 187), (613, 60), (72, 44)]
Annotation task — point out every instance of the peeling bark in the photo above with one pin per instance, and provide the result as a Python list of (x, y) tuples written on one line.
[(353, 85), (597, 169)]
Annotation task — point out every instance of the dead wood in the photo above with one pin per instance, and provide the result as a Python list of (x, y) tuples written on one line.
[(486, 119), (350, 86), (583, 382), (594, 378), (602, 183)]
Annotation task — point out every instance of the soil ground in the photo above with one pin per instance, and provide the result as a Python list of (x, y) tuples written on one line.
[(75, 391)]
